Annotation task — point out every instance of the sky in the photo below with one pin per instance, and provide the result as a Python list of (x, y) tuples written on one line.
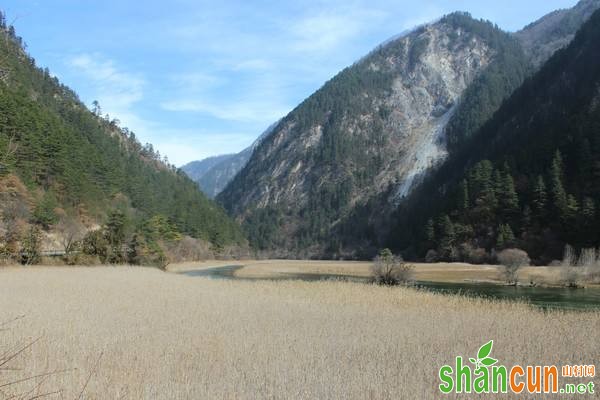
[(199, 78)]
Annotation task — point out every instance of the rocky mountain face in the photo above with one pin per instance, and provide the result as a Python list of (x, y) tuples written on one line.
[(530, 176), (214, 173), (332, 173), (365, 137), (554, 31)]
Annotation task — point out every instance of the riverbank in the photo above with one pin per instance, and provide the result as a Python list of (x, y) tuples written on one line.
[(142, 333), (428, 272)]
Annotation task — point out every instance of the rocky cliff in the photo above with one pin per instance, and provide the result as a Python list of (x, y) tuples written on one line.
[(365, 137)]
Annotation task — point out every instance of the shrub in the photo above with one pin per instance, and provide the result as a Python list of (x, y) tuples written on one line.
[(571, 276), (30, 246), (431, 256), (512, 260), (473, 255), (389, 269), (569, 257), (188, 249), (95, 244)]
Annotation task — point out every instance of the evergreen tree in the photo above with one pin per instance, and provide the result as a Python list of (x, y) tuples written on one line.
[(115, 235), (539, 197), (463, 195), (505, 237), (588, 209), (507, 196), (447, 237), (430, 231), (559, 195), (572, 206)]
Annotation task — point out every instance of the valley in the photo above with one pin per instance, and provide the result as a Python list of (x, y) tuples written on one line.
[(406, 205)]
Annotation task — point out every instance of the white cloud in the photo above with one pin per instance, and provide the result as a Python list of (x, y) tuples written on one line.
[(323, 32), (252, 110), (252, 64), (116, 90), (197, 80)]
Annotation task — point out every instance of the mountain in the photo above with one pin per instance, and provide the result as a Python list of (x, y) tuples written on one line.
[(530, 177), (58, 158), (197, 169), (333, 170), (214, 173), (543, 37)]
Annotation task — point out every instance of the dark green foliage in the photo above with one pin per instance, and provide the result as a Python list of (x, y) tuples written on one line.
[(504, 237), (539, 198), (500, 79), (43, 213), (95, 244), (532, 171), (262, 228), (82, 160), (114, 233), (118, 241), (133, 252)]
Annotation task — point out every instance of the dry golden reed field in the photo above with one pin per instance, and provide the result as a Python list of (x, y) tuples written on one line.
[(139, 333)]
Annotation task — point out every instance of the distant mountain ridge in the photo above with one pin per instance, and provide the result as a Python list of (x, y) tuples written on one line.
[(197, 169), (214, 173), (543, 37)]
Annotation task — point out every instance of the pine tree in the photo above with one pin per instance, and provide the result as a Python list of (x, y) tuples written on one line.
[(430, 231), (507, 196), (540, 197), (588, 209), (572, 206), (463, 195), (115, 235), (559, 195), (505, 236), (447, 236)]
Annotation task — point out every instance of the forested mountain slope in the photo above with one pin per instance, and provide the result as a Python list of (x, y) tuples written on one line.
[(331, 172), (531, 176), (543, 37), (61, 158)]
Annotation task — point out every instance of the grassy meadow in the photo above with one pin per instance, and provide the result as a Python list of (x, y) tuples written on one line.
[(139, 333)]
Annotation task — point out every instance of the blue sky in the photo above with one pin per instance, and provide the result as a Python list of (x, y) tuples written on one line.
[(199, 78)]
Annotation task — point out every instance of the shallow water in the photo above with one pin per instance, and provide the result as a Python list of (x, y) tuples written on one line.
[(562, 298), (545, 297)]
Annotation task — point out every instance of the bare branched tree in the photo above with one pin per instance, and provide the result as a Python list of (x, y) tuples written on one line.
[(512, 260), (71, 232), (389, 269), (11, 149)]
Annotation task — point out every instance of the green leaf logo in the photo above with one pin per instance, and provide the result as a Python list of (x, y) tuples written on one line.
[(489, 361), (482, 356), (485, 350)]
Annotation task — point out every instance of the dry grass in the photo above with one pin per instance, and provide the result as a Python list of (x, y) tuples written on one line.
[(435, 272), (167, 336)]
